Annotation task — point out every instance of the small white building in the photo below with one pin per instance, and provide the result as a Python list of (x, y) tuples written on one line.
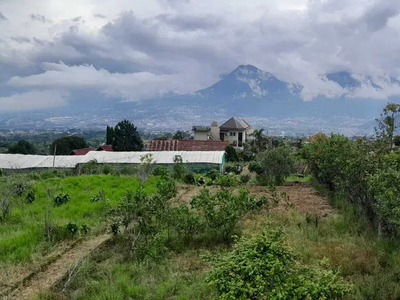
[(236, 131)]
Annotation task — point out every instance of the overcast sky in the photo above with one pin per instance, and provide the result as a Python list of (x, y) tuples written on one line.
[(55, 51)]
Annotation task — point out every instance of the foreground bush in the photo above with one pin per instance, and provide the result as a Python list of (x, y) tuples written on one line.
[(262, 267)]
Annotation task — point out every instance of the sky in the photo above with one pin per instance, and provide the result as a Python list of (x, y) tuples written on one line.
[(53, 52)]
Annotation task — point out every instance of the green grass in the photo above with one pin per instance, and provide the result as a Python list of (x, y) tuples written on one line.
[(295, 178), (21, 235)]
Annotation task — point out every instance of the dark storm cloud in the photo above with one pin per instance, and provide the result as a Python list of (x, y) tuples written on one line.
[(21, 39), (2, 17)]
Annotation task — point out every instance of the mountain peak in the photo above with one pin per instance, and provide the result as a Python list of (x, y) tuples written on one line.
[(245, 69)]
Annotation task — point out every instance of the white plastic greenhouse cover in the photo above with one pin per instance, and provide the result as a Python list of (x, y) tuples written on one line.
[(19, 161)]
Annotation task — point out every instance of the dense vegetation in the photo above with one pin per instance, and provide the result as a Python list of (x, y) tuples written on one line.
[(233, 236)]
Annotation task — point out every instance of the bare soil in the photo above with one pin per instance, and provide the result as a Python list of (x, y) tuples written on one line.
[(45, 279)]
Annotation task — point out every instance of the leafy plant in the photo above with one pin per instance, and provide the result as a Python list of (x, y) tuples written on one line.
[(228, 181), (231, 154), (276, 165), (245, 178), (61, 199), (213, 174), (5, 208), (189, 179), (30, 197), (72, 229), (223, 210), (114, 228), (263, 267), (161, 171)]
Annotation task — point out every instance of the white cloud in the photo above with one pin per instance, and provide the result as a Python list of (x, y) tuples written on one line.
[(128, 86), (32, 100), (139, 49)]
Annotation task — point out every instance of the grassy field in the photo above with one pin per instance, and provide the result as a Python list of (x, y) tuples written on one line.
[(314, 230), (22, 235)]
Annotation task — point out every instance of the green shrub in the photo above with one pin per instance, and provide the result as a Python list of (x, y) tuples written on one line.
[(213, 174), (189, 179), (72, 229), (262, 267), (84, 229), (230, 168), (230, 154), (255, 167), (61, 199), (184, 221), (245, 178), (276, 164), (114, 228), (223, 210), (1, 172), (179, 170), (34, 176), (107, 169), (228, 181), (30, 197), (161, 171)]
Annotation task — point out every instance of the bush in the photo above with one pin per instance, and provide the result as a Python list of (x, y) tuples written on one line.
[(231, 154), (263, 267), (189, 179), (228, 181), (213, 174), (107, 169), (61, 199), (179, 170), (255, 167), (223, 210), (1, 172), (230, 168), (72, 229), (30, 197), (245, 178), (161, 171), (275, 164)]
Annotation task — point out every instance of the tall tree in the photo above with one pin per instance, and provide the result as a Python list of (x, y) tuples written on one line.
[(109, 135), (22, 147), (68, 143), (388, 124), (260, 141), (126, 137)]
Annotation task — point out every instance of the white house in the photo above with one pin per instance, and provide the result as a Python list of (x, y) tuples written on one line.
[(236, 131)]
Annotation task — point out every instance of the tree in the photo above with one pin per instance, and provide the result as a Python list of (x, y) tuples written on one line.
[(68, 143), (22, 147), (109, 135), (231, 154), (179, 135), (275, 165), (388, 124), (125, 137), (260, 141)]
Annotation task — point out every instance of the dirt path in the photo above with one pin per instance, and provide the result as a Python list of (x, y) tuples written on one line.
[(44, 280)]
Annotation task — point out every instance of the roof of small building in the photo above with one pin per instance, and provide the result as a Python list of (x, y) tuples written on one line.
[(82, 151), (235, 124), (105, 148), (186, 145)]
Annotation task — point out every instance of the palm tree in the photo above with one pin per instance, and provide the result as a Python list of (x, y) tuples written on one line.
[(260, 141)]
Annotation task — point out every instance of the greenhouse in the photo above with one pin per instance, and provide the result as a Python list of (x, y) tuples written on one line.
[(195, 160)]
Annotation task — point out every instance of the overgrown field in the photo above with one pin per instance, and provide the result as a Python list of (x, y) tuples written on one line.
[(23, 235)]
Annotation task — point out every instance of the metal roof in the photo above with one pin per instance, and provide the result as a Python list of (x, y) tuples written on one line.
[(186, 145), (19, 161), (234, 124)]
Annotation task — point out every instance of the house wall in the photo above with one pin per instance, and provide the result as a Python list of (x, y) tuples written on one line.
[(215, 130), (200, 135)]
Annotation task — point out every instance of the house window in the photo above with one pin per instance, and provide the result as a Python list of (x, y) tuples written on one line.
[(232, 133)]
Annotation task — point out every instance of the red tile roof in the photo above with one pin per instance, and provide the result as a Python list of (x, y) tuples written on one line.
[(186, 145), (107, 148), (83, 151)]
